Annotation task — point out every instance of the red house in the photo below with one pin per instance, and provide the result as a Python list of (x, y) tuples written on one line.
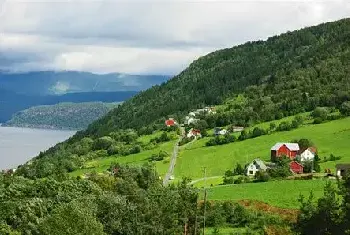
[(289, 150), (296, 167), (170, 122)]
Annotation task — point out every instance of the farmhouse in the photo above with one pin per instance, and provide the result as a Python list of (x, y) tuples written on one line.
[(255, 166), (170, 122), (194, 133), (289, 150), (296, 167), (307, 154), (342, 169), (219, 131)]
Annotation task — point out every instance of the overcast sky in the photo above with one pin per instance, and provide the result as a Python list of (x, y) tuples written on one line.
[(142, 36)]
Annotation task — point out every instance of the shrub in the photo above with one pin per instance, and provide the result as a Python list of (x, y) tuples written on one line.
[(284, 126), (228, 180), (239, 170), (317, 120), (320, 113), (262, 176), (345, 108)]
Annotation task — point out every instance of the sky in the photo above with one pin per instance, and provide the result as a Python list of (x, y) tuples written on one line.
[(143, 36)]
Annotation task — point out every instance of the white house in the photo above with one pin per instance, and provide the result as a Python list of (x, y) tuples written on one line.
[(255, 166), (194, 133), (219, 131), (307, 155)]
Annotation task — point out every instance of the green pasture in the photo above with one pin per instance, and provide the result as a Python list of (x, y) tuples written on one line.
[(331, 137), (282, 193)]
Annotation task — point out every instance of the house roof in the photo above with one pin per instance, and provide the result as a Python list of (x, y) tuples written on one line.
[(311, 149), (290, 146), (342, 166), (260, 163)]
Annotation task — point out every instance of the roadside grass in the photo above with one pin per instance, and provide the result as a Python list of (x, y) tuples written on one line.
[(331, 137), (102, 164), (208, 182), (281, 193), (225, 231)]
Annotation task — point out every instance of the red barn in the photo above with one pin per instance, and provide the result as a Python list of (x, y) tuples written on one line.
[(170, 122), (296, 167), (289, 150)]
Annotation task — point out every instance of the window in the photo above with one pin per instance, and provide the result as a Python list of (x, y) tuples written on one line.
[(251, 172)]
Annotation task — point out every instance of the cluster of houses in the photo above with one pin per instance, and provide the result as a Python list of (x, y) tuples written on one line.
[(290, 150), (191, 118)]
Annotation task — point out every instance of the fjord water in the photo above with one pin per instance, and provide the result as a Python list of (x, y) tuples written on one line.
[(18, 145)]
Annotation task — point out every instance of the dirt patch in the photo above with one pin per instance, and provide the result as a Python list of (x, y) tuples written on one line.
[(287, 214)]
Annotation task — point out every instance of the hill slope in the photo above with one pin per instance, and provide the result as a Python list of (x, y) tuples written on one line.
[(74, 116), (257, 81), (285, 75)]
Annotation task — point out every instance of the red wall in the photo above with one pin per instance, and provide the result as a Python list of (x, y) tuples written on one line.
[(296, 167), (170, 122), (283, 150)]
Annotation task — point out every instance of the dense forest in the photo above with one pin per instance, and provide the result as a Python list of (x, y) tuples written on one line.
[(73, 116)]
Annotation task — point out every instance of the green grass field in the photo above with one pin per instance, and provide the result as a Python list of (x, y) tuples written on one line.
[(101, 165), (283, 193), (331, 137)]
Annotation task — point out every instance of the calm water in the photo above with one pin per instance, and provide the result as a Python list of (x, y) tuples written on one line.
[(18, 145)]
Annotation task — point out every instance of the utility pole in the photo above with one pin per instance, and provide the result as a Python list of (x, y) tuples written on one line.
[(205, 198)]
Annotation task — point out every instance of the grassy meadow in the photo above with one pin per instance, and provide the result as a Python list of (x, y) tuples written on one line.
[(282, 193), (102, 164), (331, 137)]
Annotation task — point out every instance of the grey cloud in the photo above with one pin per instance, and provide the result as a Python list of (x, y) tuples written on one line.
[(146, 36)]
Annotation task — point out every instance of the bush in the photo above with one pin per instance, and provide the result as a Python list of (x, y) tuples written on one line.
[(185, 141), (284, 126), (262, 176), (228, 180), (317, 121), (239, 170), (345, 108), (242, 179), (320, 113)]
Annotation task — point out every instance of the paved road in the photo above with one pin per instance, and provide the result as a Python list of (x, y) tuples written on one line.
[(173, 159)]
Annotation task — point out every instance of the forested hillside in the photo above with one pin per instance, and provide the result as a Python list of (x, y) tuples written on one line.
[(258, 81), (74, 116), (287, 74)]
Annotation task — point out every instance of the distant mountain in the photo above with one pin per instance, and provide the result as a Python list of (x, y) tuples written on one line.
[(11, 102), (57, 83), (20, 91), (73, 116)]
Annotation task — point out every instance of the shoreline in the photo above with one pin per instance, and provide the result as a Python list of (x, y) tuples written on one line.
[(33, 127)]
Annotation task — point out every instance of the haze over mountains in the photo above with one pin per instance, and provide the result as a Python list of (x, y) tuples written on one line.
[(19, 91)]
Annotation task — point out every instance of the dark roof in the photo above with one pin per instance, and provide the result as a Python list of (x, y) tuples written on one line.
[(343, 166)]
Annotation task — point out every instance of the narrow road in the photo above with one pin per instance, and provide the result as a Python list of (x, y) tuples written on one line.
[(173, 159), (202, 179)]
